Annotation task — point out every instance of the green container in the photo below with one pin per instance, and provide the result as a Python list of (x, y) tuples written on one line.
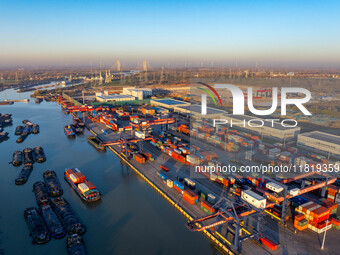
[(205, 210), (336, 227), (303, 222)]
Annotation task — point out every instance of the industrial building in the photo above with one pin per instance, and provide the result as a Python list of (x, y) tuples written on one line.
[(322, 143), (113, 98), (140, 93), (272, 130), (194, 111), (168, 103)]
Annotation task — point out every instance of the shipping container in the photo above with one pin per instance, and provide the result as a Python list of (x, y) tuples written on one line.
[(253, 198)]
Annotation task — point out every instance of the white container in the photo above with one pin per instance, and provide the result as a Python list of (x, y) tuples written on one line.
[(140, 134), (189, 182), (73, 178), (211, 198), (294, 192), (213, 176), (274, 187), (83, 187), (253, 199), (170, 183)]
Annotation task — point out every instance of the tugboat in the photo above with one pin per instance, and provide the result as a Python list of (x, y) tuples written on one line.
[(35, 129), (36, 226), (96, 143), (41, 194), (77, 129), (69, 131), (18, 130), (24, 175), (75, 245), (52, 184), (68, 217), (28, 156), (52, 222), (84, 188), (39, 154), (3, 136), (17, 158)]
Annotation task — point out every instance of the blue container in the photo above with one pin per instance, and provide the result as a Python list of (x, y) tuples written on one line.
[(299, 200), (179, 185), (163, 176)]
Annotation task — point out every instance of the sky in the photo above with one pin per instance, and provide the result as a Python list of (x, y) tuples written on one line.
[(274, 33)]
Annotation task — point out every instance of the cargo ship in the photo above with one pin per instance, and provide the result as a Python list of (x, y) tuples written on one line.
[(69, 131), (84, 188)]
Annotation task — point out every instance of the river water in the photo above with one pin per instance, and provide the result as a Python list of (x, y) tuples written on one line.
[(130, 219)]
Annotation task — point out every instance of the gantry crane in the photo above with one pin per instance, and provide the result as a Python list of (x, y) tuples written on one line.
[(230, 211)]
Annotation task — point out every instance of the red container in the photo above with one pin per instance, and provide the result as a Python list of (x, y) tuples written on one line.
[(165, 168), (90, 185), (190, 196), (270, 244), (80, 176), (69, 172), (207, 206), (178, 189), (225, 182)]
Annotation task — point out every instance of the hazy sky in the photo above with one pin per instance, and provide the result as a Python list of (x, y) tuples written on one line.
[(66, 32)]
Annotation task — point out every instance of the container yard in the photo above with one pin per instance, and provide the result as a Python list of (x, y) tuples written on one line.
[(241, 213)]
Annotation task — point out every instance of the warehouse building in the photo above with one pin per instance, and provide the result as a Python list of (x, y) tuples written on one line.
[(195, 111), (140, 93), (168, 103), (113, 98), (270, 129), (321, 143)]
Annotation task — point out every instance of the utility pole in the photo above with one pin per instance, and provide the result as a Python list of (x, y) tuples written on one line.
[(324, 237)]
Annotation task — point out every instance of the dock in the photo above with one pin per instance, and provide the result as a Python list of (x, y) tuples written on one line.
[(289, 240)]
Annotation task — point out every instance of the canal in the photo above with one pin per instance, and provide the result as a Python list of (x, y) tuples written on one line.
[(130, 219)]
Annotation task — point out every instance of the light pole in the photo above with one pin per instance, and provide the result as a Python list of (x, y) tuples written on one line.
[(324, 236)]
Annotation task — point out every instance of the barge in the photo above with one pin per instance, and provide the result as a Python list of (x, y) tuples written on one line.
[(24, 175), (3, 136), (19, 130), (68, 217), (39, 154), (41, 194), (95, 142), (52, 184), (52, 222), (28, 156), (75, 245), (17, 158), (36, 226)]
